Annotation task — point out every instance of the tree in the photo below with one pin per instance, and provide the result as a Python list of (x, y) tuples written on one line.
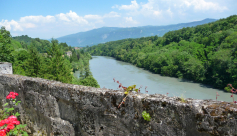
[(5, 50), (33, 63), (89, 81), (60, 68), (21, 57)]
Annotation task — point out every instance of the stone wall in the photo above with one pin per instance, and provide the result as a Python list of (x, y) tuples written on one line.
[(5, 68), (55, 108)]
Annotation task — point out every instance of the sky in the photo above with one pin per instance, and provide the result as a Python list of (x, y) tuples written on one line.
[(48, 19)]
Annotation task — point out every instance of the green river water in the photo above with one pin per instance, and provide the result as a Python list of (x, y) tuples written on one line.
[(104, 69)]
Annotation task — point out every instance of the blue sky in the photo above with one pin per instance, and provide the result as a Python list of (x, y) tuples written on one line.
[(56, 18)]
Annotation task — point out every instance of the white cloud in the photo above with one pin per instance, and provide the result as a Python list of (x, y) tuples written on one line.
[(99, 19), (28, 25), (148, 5), (34, 21), (204, 5), (11, 25), (26, 22), (163, 8), (71, 18), (75, 18), (133, 6), (63, 17), (157, 12), (151, 8), (37, 19), (93, 17), (169, 12), (130, 20), (187, 3), (111, 15)]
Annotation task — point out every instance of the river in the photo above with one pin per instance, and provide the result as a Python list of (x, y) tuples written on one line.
[(104, 69)]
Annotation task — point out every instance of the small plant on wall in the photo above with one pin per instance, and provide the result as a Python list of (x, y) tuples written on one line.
[(128, 90), (146, 116), (232, 90)]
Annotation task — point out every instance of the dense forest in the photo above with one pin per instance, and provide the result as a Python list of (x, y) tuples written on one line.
[(205, 53), (41, 58)]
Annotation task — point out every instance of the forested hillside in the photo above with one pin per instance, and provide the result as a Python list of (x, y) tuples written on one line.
[(41, 45), (205, 53), (24, 39), (106, 34), (44, 59)]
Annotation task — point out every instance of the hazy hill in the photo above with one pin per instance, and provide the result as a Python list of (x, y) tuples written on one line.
[(105, 34)]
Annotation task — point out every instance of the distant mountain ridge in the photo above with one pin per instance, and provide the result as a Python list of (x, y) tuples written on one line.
[(106, 34)]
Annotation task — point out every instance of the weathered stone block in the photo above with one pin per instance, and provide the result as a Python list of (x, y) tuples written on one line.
[(5, 68)]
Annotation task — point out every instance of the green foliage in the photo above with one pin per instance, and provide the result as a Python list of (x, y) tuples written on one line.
[(130, 89), (15, 45), (60, 68), (23, 38), (86, 78), (89, 81), (5, 48), (205, 53), (33, 63), (26, 42), (21, 57), (40, 58), (18, 130), (146, 116), (182, 97), (228, 89)]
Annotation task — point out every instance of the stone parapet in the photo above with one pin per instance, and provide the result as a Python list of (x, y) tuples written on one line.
[(5, 68), (55, 108)]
